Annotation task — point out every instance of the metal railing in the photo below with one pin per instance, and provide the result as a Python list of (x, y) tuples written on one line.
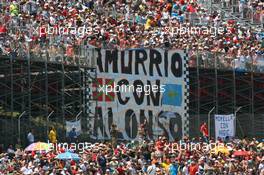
[(83, 55), (77, 55), (224, 61), (248, 14)]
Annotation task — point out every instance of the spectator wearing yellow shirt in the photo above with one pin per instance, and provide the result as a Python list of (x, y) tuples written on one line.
[(14, 9), (53, 135), (148, 24)]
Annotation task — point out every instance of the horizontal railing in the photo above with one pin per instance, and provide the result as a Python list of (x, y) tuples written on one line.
[(83, 55), (218, 60)]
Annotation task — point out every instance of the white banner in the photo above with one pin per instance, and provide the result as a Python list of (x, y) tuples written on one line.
[(141, 84), (224, 126), (70, 125)]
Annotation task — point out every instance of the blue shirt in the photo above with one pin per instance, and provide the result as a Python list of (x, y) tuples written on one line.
[(173, 169), (73, 134)]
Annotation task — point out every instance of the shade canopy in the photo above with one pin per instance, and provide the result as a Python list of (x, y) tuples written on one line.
[(38, 146), (68, 156)]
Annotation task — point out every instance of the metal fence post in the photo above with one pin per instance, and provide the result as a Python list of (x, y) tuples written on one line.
[(19, 125), (252, 99), (234, 84), (12, 90), (48, 122), (237, 121), (216, 81), (209, 122), (198, 89)]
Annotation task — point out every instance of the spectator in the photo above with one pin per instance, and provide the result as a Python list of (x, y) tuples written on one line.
[(53, 135), (30, 137), (73, 135)]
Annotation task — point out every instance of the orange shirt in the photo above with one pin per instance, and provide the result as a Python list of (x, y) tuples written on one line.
[(193, 169)]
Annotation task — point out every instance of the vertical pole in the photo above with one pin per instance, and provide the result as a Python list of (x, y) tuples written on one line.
[(48, 123), (19, 126), (234, 87), (80, 82), (235, 114), (198, 90), (29, 90), (94, 68), (19, 132), (104, 127), (12, 92), (63, 94), (216, 84), (252, 99), (76, 118), (85, 97), (209, 122), (46, 86)]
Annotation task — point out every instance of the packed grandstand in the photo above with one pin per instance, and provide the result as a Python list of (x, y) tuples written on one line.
[(145, 157), (35, 25), (31, 27)]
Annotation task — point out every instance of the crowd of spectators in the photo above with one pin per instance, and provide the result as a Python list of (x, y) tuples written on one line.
[(35, 26), (31, 27), (244, 157)]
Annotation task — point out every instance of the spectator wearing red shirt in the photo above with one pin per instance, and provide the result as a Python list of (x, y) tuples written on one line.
[(191, 9), (3, 29), (121, 170), (160, 145), (193, 168)]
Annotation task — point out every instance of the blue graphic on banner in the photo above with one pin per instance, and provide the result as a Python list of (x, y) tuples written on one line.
[(172, 95)]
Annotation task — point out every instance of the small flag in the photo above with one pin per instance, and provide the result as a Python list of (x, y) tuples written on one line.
[(99, 90), (172, 95)]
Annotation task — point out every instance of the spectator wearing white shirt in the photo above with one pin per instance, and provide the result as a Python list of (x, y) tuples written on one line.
[(26, 170), (11, 152), (152, 169), (30, 137)]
